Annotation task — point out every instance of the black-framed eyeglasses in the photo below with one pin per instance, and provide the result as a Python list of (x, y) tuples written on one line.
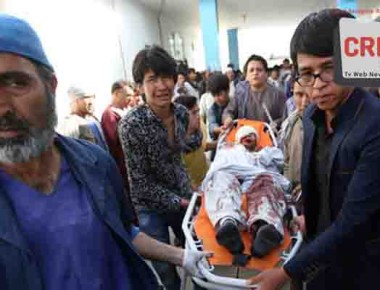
[(308, 79)]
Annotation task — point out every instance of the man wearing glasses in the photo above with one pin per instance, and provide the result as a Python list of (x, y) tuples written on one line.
[(340, 171)]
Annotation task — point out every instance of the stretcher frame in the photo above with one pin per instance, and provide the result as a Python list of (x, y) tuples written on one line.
[(217, 282)]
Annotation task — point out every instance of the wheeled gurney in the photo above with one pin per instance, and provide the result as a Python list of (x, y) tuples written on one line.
[(200, 233)]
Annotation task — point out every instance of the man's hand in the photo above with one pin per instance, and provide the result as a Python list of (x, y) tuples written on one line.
[(271, 279), (298, 223), (190, 261), (152, 249), (218, 131), (296, 190), (184, 203), (273, 125), (211, 145), (227, 123)]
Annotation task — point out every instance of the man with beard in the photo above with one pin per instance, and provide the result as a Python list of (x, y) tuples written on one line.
[(81, 123), (75, 124), (63, 223)]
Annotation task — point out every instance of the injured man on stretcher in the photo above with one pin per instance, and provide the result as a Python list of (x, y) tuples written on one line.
[(245, 168)]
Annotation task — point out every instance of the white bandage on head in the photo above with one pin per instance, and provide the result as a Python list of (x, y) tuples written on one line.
[(244, 132)]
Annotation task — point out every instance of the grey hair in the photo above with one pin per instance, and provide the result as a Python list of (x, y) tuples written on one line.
[(22, 149)]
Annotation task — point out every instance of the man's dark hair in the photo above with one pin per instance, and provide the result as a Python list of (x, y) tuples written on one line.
[(186, 100), (218, 83), (153, 58), (118, 85), (315, 34), (276, 68), (255, 57), (286, 60), (191, 70)]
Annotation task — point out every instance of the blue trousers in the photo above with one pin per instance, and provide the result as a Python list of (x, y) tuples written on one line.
[(157, 226)]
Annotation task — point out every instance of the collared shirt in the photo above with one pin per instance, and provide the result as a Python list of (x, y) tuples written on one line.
[(157, 177), (120, 112), (321, 155), (354, 199)]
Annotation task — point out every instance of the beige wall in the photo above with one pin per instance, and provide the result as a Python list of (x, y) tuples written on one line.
[(90, 43)]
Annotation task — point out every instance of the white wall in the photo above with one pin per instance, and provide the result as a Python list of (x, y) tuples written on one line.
[(267, 41), (190, 31), (264, 27), (81, 39), (139, 28)]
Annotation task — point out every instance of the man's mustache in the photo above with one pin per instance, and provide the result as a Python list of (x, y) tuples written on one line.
[(10, 121)]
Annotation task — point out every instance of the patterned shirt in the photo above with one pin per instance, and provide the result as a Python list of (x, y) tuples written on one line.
[(157, 177)]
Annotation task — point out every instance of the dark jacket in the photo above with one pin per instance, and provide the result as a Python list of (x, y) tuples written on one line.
[(349, 250), (95, 169)]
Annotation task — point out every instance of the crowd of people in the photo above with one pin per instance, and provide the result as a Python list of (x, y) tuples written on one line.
[(82, 206)]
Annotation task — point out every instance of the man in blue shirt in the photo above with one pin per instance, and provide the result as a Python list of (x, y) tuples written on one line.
[(63, 221)]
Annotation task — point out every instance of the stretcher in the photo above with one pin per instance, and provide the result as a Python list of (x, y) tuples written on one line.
[(200, 234)]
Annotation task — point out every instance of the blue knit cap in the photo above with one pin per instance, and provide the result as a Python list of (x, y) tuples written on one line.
[(18, 37)]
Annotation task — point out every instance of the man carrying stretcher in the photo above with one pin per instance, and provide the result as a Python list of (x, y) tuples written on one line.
[(246, 168)]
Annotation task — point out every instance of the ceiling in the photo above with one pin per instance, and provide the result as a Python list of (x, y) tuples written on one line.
[(247, 10), (186, 7), (245, 13), (242, 14), (239, 13)]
